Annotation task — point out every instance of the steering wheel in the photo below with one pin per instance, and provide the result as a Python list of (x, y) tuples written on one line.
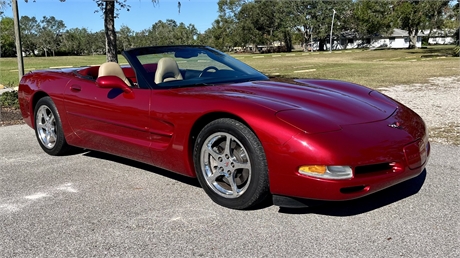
[(205, 70)]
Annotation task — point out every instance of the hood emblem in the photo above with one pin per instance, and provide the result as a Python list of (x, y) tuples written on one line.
[(395, 125)]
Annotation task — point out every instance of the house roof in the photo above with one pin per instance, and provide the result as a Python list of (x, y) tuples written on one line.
[(396, 33), (404, 33), (440, 33)]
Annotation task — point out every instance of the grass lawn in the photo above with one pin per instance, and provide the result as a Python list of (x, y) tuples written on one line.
[(371, 68), (9, 66)]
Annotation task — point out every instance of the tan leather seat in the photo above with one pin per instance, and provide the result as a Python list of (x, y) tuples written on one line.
[(167, 70), (112, 68)]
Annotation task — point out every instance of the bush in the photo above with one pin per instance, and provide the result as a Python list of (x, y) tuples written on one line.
[(457, 51), (9, 99)]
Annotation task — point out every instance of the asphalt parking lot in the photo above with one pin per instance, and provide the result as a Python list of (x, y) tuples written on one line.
[(93, 205)]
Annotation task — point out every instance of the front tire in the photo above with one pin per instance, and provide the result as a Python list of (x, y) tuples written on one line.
[(48, 128), (230, 164)]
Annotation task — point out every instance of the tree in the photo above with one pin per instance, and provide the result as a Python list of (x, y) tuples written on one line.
[(205, 38), (3, 5), (414, 16), (49, 33), (29, 34), (224, 32), (76, 41), (7, 45), (125, 35), (314, 17), (372, 17)]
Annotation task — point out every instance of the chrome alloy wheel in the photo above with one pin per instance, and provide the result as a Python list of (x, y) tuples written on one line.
[(46, 127), (225, 165)]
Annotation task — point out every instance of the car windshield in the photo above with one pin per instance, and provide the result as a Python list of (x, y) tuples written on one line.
[(180, 66)]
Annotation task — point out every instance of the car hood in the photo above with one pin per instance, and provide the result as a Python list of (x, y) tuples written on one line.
[(335, 101)]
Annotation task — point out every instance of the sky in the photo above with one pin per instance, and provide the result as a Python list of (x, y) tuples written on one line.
[(142, 15)]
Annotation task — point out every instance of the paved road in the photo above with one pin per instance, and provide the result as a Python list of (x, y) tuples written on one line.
[(92, 204)]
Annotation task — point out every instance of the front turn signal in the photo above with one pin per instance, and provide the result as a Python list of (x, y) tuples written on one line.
[(328, 172)]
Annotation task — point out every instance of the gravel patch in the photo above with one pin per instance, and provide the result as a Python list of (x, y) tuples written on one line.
[(437, 102)]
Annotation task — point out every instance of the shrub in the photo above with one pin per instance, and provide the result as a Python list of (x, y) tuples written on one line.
[(9, 99), (457, 51)]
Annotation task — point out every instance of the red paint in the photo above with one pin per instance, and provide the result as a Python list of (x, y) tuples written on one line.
[(322, 122)]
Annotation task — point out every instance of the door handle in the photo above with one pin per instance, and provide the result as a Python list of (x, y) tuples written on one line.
[(75, 87)]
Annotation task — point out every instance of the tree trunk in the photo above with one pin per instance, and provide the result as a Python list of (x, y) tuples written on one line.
[(412, 38), (287, 40), (322, 42), (110, 34)]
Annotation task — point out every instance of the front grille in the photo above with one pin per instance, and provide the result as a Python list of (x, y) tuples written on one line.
[(375, 168)]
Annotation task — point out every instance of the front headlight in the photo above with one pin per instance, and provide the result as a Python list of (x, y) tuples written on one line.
[(327, 172)]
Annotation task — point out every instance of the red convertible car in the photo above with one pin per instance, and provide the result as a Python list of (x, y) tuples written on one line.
[(199, 112)]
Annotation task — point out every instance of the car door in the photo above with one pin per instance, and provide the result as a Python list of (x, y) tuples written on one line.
[(110, 120)]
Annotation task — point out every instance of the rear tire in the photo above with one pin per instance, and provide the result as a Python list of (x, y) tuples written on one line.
[(48, 128), (230, 164)]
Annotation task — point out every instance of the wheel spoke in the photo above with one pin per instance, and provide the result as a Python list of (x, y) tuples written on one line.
[(237, 165), (49, 118), (232, 182), (210, 151), (53, 136), (230, 145), (212, 178)]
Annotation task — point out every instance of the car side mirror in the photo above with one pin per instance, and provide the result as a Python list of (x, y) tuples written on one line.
[(111, 82)]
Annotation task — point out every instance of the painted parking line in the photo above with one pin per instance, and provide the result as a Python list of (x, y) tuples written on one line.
[(258, 56), (27, 69), (290, 54), (276, 55), (64, 66), (305, 71)]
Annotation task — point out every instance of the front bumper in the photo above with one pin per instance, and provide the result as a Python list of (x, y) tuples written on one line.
[(380, 156)]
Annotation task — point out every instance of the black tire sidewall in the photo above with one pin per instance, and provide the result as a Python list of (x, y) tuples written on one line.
[(257, 190)]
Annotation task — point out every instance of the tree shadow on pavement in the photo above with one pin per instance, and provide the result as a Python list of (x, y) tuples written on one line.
[(368, 203)]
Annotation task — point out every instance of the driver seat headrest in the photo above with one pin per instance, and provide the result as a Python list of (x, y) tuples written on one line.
[(167, 70)]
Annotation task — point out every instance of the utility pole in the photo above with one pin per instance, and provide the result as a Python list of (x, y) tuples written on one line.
[(332, 26), (17, 36)]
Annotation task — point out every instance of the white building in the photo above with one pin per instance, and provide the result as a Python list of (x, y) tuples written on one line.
[(441, 37), (398, 39)]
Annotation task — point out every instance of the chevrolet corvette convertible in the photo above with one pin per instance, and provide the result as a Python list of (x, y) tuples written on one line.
[(199, 112)]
